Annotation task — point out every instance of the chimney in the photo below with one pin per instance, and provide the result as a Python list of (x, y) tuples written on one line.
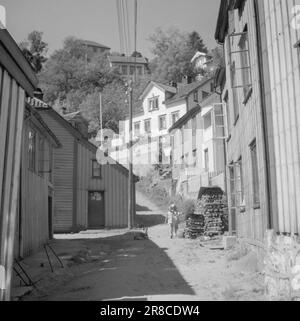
[(186, 80), (64, 110), (38, 93), (173, 84), (2, 17)]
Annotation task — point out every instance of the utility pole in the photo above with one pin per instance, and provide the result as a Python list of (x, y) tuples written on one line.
[(130, 160), (101, 124)]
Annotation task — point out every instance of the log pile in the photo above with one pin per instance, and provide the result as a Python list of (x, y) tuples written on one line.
[(194, 226), (210, 217)]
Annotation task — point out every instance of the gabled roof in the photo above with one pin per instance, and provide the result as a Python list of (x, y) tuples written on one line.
[(213, 98), (46, 130), (76, 133), (126, 59), (184, 119), (13, 60), (93, 44), (161, 86), (186, 90)]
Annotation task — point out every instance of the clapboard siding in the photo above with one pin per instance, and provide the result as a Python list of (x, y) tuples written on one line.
[(73, 180), (113, 183), (63, 162), (34, 205), (253, 222), (16, 80), (284, 67)]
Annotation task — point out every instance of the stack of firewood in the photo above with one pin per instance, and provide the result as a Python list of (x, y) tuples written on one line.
[(212, 207), (194, 226)]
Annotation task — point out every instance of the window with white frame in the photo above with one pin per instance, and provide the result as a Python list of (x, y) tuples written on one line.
[(255, 174), (153, 103), (162, 122), (137, 128), (32, 150), (147, 126), (174, 117)]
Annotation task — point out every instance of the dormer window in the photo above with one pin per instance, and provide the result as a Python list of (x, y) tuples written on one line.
[(153, 103), (196, 98)]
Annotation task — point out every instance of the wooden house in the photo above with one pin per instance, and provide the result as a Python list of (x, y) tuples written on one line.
[(198, 148), (262, 76), (17, 80), (87, 195), (34, 220)]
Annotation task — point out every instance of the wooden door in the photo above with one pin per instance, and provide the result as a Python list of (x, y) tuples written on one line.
[(50, 221), (96, 210)]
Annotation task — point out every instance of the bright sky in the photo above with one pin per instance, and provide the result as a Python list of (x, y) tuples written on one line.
[(97, 20)]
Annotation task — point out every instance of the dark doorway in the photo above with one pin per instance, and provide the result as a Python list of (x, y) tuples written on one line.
[(50, 220), (96, 212)]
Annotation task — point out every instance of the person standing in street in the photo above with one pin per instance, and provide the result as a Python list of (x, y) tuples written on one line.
[(173, 220)]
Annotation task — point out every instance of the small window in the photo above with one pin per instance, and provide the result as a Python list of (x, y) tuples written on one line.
[(212, 87), (96, 169), (207, 121), (153, 103), (255, 174), (240, 184), (206, 160), (124, 70), (41, 155), (140, 70), (32, 150), (132, 70), (162, 122), (175, 117), (204, 94), (196, 98), (147, 125), (137, 128)]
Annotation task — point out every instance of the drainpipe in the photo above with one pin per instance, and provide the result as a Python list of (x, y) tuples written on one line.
[(264, 114)]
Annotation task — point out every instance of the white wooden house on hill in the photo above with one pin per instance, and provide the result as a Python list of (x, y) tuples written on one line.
[(198, 148), (161, 106)]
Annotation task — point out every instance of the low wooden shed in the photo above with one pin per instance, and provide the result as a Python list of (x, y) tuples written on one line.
[(87, 195)]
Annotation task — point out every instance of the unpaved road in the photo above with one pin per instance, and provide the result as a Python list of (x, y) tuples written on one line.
[(111, 265)]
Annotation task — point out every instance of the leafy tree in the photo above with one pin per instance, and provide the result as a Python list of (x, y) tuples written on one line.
[(35, 49), (173, 51), (196, 43), (74, 68)]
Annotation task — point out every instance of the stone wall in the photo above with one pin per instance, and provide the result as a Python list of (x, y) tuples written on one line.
[(282, 267)]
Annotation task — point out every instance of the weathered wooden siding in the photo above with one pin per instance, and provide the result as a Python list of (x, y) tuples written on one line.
[(253, 222), (284, 68), (12, 101), (33, 216), (63, 162), (113, 183)]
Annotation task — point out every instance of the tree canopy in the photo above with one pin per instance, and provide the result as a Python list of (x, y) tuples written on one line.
[(173, 51), (35, 49)]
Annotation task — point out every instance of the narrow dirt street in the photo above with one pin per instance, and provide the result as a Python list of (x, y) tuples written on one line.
[(121, 265)]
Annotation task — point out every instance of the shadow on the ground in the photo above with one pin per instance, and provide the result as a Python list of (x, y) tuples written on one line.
[(131, 269), (140, 208), (149, 220)]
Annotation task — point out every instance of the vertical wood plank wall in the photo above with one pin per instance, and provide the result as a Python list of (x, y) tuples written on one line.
[(114, 183), (12, 101), (253, 223), (284, 66), (63, 162), (33, 230)]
